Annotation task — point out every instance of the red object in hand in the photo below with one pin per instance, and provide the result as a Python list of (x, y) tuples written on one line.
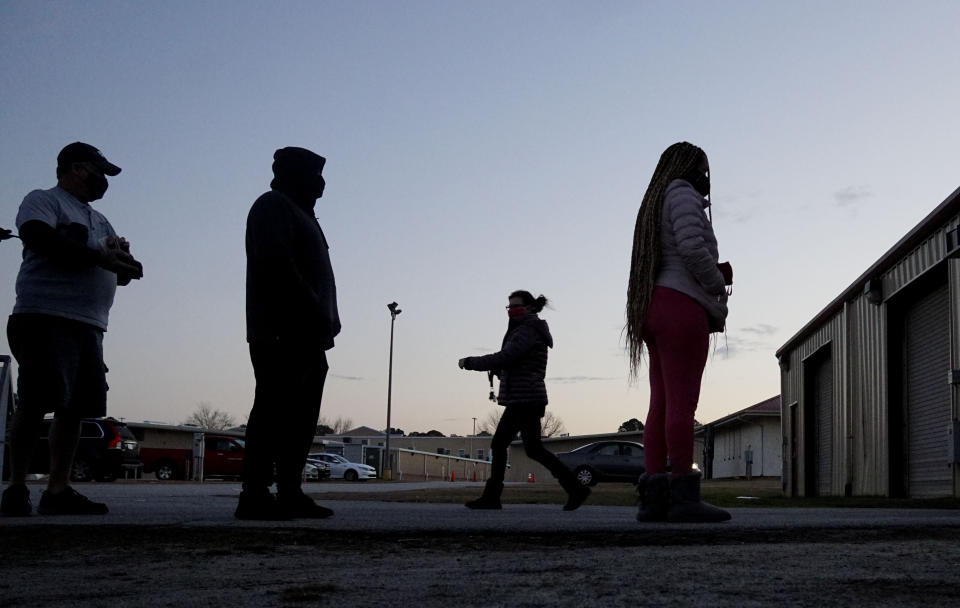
[(727, 271)]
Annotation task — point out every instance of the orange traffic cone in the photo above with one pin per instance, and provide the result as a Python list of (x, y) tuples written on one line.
[(453, 476), (474, 475), (531, 477)]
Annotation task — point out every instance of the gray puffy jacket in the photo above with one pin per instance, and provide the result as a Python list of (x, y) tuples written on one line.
[(688, 252), (521, 363)]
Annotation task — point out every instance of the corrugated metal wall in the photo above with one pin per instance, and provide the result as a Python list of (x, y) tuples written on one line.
[(858, 338), (927, 255), (867, 397), (953, 274)]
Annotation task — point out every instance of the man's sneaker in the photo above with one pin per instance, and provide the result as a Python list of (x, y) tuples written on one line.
[(301, 505), (16, 501), (259, 506), (575, 497), (69, 502)]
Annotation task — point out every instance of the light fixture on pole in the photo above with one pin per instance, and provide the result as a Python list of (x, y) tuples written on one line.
[(387, 470)]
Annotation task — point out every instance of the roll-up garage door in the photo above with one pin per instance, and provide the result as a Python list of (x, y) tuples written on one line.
[(823, 395), (926, 362)]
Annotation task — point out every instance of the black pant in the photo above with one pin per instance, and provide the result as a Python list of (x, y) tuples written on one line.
[(524, 419), (283, 421)]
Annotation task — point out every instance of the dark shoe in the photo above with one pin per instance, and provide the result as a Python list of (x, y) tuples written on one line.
[(16, 501), (490, 499), (576, 498), (260, 506), (69, 502), (685, 503), (301, 505), (576, 493), (654, 491)]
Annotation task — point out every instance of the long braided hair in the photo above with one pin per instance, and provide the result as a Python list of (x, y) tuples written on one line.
[(679, 161)]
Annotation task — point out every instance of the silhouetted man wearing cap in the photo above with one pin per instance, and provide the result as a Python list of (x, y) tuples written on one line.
[(72, 263), (292, 320)]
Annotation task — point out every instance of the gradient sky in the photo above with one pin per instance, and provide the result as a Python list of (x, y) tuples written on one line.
[(474, 149)]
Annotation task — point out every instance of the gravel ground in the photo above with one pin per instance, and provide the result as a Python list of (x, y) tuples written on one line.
[(180, 546), (120, 565)]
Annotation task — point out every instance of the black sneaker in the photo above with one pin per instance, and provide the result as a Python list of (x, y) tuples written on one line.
[(260, 506), (16, 501), (575, 497), (301, 505), (484, 503), (69, 502)]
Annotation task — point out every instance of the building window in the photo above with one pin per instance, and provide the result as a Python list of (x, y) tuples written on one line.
[(460, 452), (480, 454)]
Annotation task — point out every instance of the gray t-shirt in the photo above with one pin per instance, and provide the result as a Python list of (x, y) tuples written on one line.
[(83, 293)]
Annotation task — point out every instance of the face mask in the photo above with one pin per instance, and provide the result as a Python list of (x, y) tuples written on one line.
[(97, 184), (701, 183), (516, 312)]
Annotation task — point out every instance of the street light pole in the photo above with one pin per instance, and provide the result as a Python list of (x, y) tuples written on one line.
[(386, 468)]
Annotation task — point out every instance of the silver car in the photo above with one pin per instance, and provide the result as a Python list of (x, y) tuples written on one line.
[(341, 468)]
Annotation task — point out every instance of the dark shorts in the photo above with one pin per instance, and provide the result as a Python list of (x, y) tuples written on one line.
[(60, 365)]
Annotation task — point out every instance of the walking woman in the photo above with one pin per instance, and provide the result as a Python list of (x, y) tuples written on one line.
[(676, 298), (521, 364)]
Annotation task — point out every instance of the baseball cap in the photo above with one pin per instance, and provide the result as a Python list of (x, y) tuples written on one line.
[(79, 152)]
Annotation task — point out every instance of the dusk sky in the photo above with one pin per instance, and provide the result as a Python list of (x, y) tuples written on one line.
[(474, 149)]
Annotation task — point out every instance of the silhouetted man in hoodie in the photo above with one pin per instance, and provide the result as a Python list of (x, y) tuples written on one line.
[(292, 320)]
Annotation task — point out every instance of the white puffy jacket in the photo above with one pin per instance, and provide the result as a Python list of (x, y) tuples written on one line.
[(688, 251)]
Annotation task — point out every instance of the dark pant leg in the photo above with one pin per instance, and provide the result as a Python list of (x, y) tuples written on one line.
[(263, 425), (306, 381), (506, 432), (530, 430), (48, 357)]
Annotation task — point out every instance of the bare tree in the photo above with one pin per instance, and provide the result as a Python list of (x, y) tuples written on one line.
[(551, 425), (489, 424), (205, 416), (341, 425)]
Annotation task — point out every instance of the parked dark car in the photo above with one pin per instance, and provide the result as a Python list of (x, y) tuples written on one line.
[(605, 461), (107, 449)]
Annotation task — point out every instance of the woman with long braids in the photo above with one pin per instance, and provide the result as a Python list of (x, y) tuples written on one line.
[(521, 364), (676, 298)]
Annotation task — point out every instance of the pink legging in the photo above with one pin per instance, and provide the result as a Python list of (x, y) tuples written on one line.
[(677, 338)]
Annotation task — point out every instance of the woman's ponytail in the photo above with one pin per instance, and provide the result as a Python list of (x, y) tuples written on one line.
[(536, 304)]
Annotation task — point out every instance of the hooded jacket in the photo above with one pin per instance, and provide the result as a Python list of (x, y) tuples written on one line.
[(291, 292), (688, 252), (521, 362)]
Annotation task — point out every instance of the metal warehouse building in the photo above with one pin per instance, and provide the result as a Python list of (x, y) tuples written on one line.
[(871, 386)]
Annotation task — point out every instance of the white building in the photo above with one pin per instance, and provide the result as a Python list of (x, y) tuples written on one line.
[(744, 444)]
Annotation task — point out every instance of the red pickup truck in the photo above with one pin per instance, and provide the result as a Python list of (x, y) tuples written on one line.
[(222, 457)]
